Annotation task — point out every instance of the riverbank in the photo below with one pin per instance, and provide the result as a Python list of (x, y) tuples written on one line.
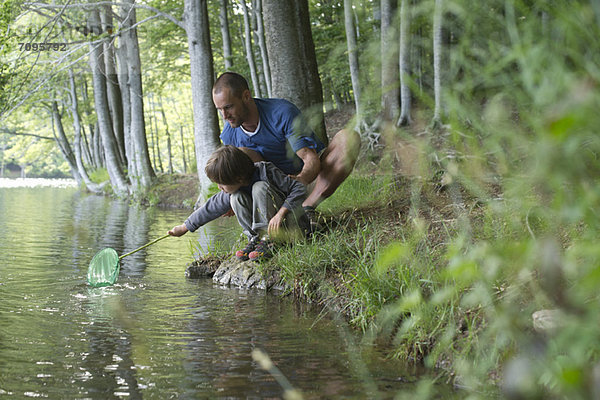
[(358, 263)]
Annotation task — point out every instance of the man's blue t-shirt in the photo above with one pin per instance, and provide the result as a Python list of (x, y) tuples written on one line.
[(281, 132)]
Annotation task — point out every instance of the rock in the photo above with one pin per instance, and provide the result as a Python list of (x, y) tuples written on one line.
[(202, 268), (547, 320), (245, 274)]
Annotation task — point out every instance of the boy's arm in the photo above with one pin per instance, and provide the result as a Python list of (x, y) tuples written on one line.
[(213, 208)]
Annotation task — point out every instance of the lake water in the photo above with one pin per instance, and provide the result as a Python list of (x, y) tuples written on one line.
[(154, 334)]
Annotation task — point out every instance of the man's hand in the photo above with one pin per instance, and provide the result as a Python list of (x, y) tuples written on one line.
[(300, 178), (312, 166), (178, 230)]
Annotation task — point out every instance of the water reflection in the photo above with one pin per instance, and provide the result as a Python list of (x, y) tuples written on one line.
[(153, 334)]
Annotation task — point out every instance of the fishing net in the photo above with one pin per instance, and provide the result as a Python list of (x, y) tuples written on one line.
[(104, 268)]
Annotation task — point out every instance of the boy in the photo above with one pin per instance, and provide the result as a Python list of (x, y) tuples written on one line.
[(261, 197)]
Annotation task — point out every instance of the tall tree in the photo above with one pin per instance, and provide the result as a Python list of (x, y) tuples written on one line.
[(115, 104), (123, 79), (405, 100), (249, 51), (224, 23), (113, 165), (390, 100), (62, 141), (206, 123), (292, 59), (144, 172), (353, 55), (437, 60), (260, 34), (77, 129)]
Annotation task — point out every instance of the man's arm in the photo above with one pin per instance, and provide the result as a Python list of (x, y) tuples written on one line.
[(312, 165)]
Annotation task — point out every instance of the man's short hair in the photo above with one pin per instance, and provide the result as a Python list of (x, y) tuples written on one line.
[(235, 82), (229, 165)]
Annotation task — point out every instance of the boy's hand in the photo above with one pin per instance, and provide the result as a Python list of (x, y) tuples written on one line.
[(178, 230), (277, 220), (229, 213)]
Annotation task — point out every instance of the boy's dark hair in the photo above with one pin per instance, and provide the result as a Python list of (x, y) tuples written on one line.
[(235, 82), (229, 165)]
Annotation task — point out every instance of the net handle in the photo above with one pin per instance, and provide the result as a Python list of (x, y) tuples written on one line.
[(144, 246)]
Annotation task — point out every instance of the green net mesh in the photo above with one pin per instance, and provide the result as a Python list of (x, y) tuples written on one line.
[(104, 268)]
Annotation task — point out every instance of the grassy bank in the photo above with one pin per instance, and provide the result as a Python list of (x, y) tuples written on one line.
[(442, 256), (446, 265)]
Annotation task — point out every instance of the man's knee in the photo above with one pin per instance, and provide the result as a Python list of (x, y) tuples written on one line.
[(351, 145), (343, 151)]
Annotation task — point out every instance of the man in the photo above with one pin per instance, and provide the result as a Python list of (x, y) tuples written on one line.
[(273, 130)]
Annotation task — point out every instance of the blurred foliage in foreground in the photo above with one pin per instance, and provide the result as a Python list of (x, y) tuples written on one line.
[(523, 106)]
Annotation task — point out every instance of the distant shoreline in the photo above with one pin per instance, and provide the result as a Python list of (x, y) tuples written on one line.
[(36, 182)]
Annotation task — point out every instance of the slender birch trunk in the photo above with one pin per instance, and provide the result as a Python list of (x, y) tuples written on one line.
[(224, 23), (77, 128), (115, 104), (390, 95), (113, 166), (353, 55), (249, 51), (145, 173), (263, 47), (63, 143), (437, 60), (403, 61), (183, 150)]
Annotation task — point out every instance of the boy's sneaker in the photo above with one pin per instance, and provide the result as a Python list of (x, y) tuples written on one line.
[(242, 255), (263, 250)]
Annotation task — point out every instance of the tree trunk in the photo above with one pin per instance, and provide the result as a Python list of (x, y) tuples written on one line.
[(115, 104), (405, 101), (145, 173), (206, 123), (224, 22), (353, 55), (184, 156), (113, 166), (157, 138), (165, 123), (97, 147), (389, 63), (85, 148), (249, 53), (63, 143), (437, 60), (292, 59), (263, 47), (124, 86), (77, 138), (92, 127)]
